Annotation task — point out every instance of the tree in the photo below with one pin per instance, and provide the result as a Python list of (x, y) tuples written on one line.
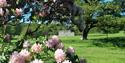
[(19, 11), (95, 9), (108, 24)]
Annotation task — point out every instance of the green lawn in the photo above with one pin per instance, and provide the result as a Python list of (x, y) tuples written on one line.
[(98, 53), (97, 49)]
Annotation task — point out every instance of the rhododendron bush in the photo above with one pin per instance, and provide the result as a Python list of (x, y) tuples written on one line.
[(42, 51)]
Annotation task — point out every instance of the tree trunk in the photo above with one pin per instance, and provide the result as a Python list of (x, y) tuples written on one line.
[(86, 30), (85, 33)]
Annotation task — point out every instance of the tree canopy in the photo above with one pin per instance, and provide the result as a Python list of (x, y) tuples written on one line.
[(85, 14)]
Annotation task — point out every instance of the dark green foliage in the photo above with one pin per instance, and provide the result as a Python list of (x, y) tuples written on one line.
[(72, 57)]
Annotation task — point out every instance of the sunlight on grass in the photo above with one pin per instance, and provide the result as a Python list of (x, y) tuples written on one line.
[(95, 54)]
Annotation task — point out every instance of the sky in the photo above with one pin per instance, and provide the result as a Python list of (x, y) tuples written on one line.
[(107, 0)]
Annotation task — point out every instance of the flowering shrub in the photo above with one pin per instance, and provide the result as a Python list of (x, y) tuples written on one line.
[(39, 52)]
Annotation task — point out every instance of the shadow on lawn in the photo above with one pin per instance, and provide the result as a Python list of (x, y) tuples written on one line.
[(116, 42)]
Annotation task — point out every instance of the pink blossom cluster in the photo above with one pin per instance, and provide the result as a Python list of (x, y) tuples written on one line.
[(54, 42), (36, 48), (18, 11), (3, 3), (25, 55), (59, 55), (19, 57), (42, 13)]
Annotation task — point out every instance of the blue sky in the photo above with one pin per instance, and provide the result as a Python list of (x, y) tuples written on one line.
[(107, 0)]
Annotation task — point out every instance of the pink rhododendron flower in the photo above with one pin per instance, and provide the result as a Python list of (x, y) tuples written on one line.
[(70, 50), (18, 11), (49, 44), (1, 12), (66, 61), (16, 58), (26, 54), (52, 42), (55, 39), (59, 55), (42, 14), (36, 48), (37, 61), (3, 3), (26, 44)]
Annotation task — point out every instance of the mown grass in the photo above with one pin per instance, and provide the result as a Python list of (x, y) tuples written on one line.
[(99, 48)]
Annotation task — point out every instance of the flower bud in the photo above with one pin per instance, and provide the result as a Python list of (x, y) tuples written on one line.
[(26, 44), (18, 11), (70, 50)]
